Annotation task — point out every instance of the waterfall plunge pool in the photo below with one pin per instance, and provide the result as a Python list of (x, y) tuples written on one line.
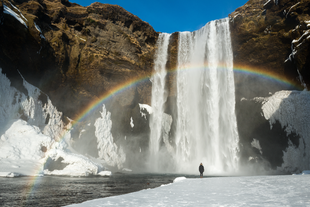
[(54, 191)]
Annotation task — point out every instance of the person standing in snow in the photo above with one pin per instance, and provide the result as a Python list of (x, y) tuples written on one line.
[(201, 170)]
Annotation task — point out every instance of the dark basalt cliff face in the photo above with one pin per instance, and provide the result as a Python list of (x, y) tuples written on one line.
[(75, 54)]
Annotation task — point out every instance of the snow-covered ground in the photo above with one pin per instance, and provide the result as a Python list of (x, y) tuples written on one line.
[(289, 190)]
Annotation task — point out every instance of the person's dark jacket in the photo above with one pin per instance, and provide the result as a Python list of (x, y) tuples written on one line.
[(201, 169)]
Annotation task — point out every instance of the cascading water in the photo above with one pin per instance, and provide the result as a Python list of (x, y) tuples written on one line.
[(206, 128), (206, 125), (159, 97)]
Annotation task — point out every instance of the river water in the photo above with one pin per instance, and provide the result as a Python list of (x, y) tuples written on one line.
[(52, 191)]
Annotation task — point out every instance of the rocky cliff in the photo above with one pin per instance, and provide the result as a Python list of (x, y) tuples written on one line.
[(73, 53), (272, 36)]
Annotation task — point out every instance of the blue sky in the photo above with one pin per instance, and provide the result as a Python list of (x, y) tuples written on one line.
[(175, 15)]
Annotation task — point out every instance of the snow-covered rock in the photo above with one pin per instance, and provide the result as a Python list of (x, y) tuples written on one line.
[(105, 173), (178, 179), (77, 165), (32, 132), (23, 141), (291, 110), (147, 108), (9, 11)]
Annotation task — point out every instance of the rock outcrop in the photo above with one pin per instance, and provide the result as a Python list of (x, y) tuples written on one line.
[(269, 37), (73, 53), (272, 36)]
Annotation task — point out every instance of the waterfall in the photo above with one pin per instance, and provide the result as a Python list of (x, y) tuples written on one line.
[(206, 125), (159, 97)]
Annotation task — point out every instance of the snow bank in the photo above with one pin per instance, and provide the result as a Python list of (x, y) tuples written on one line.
[(291, 109), (178, 179), (23, 141), (105, 173), (31, 132), (78, 165), (224, 191)]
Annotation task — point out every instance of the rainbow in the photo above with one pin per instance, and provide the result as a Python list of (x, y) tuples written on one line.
[(97, 102), (118, 89), (260, 73), (267, 74)]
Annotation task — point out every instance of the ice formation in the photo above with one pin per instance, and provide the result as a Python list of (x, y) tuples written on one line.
[(108, 150), (29, 138), (291, 109), (31, 132), (255, 144), (145, 107), (78, 165), (131, 123)]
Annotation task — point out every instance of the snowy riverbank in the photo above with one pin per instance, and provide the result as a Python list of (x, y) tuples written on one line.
[(288, 190)]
